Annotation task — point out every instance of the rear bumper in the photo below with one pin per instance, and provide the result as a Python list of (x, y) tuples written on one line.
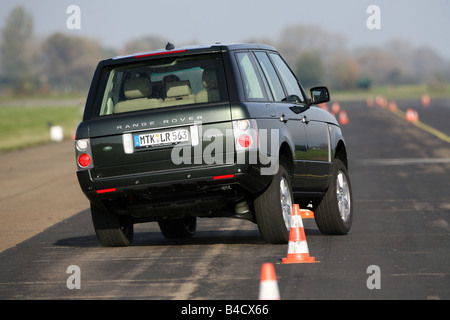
[(170, 184)]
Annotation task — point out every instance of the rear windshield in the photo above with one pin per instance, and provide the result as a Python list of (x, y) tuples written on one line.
[(162, 83)]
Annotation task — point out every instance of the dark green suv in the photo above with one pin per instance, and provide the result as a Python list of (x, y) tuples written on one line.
[(208, 131)]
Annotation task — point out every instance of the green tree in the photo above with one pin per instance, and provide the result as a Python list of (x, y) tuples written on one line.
[(69, 61), (144, 44), (343, 72), (309, 69), (17, 50)]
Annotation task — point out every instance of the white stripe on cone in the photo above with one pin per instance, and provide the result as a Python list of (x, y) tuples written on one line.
[(268, 286)]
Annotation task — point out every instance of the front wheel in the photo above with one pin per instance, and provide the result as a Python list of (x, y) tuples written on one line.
[(334, 215)]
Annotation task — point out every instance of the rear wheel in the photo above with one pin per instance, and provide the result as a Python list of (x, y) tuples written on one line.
[(178, 228), (112, 230), (334, 214), (273, 208)]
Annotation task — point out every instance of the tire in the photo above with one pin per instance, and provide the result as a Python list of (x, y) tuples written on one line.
[(334, 214), (112, 230), (273, 208), (178, 228)]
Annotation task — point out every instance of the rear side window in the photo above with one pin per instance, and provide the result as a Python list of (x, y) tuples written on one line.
[(252, 85), (162, 83), (271, 76)]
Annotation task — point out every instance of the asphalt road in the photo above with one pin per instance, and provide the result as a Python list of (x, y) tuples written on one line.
[(400, 178)]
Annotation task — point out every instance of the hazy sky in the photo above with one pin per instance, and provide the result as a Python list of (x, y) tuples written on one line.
[(112, 23)]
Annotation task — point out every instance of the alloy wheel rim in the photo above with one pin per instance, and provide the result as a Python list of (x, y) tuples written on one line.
[(286, 202), (343, 196)]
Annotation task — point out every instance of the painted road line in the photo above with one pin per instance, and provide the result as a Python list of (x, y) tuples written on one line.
[(423, 126), (402, 161)]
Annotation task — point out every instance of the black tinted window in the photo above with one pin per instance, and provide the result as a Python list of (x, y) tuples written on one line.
[(288, 78), (162, 83), (251, 82), (271, 76)]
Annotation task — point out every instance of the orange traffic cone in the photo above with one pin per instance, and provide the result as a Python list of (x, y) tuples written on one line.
[(412, 115), (335, 108), (298, 247), (343, 119), (392, 106), (323, 106), (305, 213), (268, 287), (381, 101), (425, 100)]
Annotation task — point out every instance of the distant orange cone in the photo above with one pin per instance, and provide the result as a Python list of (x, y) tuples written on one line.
[(305, 213), (335, 107), (369, 102), (268, 287), (381, 101), (297, 248), (425, 100), (343, 118), (412, 115), (392, 106), (323, 106)]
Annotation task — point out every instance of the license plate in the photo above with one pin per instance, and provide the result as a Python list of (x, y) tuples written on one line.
[(163, 138)]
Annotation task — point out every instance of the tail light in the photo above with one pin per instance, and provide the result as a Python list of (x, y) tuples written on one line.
[(106, 190), (84, 154), (245, 141), (225, 176), (245, 135), (84, 160)]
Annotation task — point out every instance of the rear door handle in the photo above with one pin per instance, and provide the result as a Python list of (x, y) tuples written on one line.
[(283, 118), (305, 119)]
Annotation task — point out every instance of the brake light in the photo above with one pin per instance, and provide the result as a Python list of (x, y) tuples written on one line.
[(245, 141), (106, 190), (225, 176), (159, 53), (84, 160)]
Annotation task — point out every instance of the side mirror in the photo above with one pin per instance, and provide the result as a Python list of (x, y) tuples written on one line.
[(319, 95)]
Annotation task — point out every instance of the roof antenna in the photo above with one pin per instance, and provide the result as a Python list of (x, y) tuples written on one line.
[(170, 46)]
